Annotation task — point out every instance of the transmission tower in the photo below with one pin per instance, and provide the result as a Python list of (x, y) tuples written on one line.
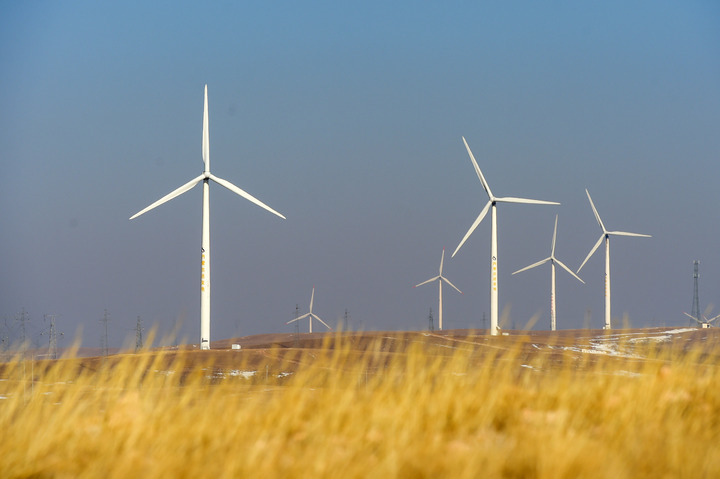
[(297, 326), (695, 312), (346, 321), (138, 335), (431, 327), (104, 340), (23, 318), (52, 335)]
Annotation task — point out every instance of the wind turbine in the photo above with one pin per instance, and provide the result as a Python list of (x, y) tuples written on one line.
[(552, 260), (310, 315), (205, 178), (606, 236), (440, 278), (706, 322), (491, 204)]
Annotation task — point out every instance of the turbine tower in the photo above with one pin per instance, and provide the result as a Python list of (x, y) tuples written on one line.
[(205, 178), (310, 315), (606, 236), (440, 278), (491, 204), (695, 311), (553, 260)]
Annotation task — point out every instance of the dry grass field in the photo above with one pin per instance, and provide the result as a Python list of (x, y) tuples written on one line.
[(616, 404)]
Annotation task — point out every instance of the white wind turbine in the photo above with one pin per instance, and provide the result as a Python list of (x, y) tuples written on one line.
[(440, 278), (553, 260), (606, 236), (205, 178), (491, 204), (310, 315)]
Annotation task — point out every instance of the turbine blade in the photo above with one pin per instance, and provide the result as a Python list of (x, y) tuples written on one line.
[(442, 258), (527, 201), (597, 215), (477, 170), (318, 318), (692, 317), (625, 233), (474, 225), (426, 282), (312, 298), (187, 186), (242, 193), (552, 248), (206, 135), (298, 318), (597, 245), (443, 278), (562, 265), (533, 265), (712, 319)]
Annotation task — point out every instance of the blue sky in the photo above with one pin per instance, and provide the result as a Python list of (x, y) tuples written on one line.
[(348, 120)]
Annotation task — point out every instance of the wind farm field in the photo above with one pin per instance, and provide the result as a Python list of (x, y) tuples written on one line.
[(456, 403)]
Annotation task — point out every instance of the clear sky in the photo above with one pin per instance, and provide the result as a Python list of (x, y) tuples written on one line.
[(348, 120)]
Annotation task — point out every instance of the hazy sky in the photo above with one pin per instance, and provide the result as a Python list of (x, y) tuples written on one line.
[(348, 120)]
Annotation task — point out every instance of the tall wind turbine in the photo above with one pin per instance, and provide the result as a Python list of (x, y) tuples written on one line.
[(205, 178), (440, 278), (606, 236), (491, 204), (310, 315), (553, 260)]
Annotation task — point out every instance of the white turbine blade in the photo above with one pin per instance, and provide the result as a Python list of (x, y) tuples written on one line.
[(312, 298), (474, 225), (242, 193), (562, 265), (692, 317), (552, 248), (442, 258), (298, 318), (443, 278), (426, 282), (187, 186), (527, 201), (206, 135), (597, 215), (625, 233), (712, 319), (533, 265), (477, 170), (597, 245), (318, 318)]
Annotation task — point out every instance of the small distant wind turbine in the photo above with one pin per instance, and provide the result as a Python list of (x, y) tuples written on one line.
[(493, 200), (705, 323), (440, 278), (205, 243), (606, 236), (310, 315), (552, 260)]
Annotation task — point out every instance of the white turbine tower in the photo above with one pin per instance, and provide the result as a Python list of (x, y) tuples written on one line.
[(606, 236), (491, 204), (440, 278), (310, 315), (205, 178), (552, 259)]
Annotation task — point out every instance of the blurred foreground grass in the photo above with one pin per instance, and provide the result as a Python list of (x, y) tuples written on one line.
[(334, 412)]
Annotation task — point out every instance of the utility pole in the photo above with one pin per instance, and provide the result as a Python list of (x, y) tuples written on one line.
[(23, 318), (138, 335), (484, 321), (104, 320), (695, 312), (431, 327), (52, 334), (297, 326)]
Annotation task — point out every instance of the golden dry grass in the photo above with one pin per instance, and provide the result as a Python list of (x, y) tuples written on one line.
[(478, 410)]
